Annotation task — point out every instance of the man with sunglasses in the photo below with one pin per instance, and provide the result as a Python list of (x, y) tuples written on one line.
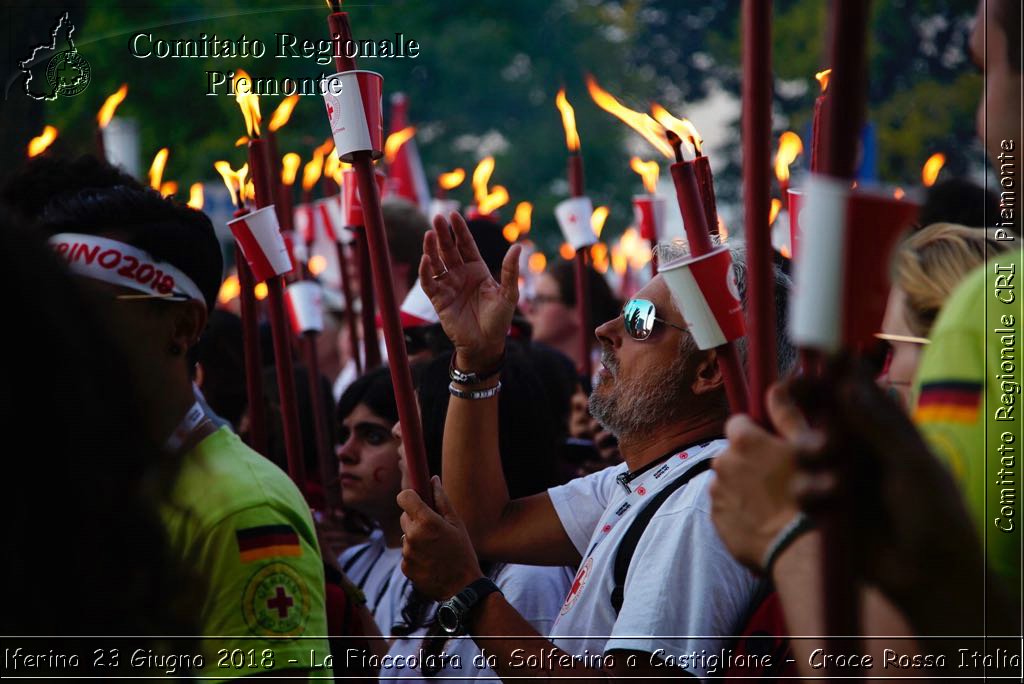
[(665, 401), (235, 518)]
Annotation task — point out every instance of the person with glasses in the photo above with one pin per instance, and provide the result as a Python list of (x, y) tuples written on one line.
[(665, 400), (233, 517)]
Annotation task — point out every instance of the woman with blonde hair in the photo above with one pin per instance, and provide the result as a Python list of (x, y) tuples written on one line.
[(926, 268)]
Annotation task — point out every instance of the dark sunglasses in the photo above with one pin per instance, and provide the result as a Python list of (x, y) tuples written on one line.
[(640, 316)]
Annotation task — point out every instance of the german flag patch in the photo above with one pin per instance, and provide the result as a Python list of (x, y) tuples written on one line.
[(267, 541), (949, 401)]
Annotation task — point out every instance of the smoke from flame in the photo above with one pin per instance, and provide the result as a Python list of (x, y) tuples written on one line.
[(38, 144), (572, 138), (648, 170), (106, 112)]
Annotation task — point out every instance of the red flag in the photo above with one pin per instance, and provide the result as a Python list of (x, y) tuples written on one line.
[(406, 178)]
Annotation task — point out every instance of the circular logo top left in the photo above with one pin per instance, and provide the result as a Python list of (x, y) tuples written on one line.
[(68, 73)]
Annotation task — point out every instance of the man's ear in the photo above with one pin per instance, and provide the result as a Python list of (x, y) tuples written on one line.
[(187, 324), (708, 377)]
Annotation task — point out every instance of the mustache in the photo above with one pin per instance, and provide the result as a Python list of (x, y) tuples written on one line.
[(609, 361)]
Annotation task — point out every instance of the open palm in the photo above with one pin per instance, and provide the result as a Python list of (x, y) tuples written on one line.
[(475, 310)]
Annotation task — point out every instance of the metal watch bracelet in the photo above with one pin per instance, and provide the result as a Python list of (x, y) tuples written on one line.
[(471, 378)]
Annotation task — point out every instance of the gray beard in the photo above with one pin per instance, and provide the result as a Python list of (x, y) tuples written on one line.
[(634, 407)]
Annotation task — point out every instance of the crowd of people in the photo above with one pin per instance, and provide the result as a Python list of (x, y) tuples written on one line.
[(624, 524)]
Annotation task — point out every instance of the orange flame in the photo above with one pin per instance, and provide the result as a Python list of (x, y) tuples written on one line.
[(395, 142), (289, 168), (248, 102), (331, 165), (784, 251), (686, 131), (643, 124), (524, 212), (232, 179), (312, 170), (634, 248), (283, 112), (931, 168), (497, 198), (599, 257), (261, 291), (249, 190), (229, 289), (566, 251), (452, 179), (537, 262), (38, 144), (317, 264), (620, 262), (572, 138), (899, 193), (598, 218), (195, 196), (242, 140), (823, 78), (723, 230), (106, 112), (510, 232), (648, 170), (169, 188), (790, 146), (481, 176), (156, 169), (773, 212)]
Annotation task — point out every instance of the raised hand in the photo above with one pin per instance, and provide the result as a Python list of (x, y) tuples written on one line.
[(475, 310)]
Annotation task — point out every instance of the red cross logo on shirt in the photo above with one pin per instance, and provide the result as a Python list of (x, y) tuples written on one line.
[(281, 602)]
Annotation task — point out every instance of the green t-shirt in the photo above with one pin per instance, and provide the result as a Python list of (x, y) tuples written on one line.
[(967, 404), (241, 523)]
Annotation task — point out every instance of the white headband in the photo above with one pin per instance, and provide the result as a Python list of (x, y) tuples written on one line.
[(116, 263)]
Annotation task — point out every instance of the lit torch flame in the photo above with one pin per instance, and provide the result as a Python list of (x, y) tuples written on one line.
[(648, 171), (314, 168), (683, 128), (537, 262), (156, 169), (38, 144), (229, 289), (331, 165), (931, 168), (598, 218), (487, 201), (524, 212), (599, 257), (261, 291), (283, 112), (169, 188), (289, 168), (106, 112), (248, 102), (497, 198), (317, 264), (620, 262), (642, 123), (790, 146), (195, 196), (773, 212), (822, 77), (395, 142), (232, 179), (566, 251), (510, 232), (249, 190), (899, 193), (452, 179), (572, 138)]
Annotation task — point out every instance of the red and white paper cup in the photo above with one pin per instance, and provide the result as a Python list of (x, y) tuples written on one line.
[(351, 204), (649, 215), (354, 109), (442, 207), (573, 216), (305, 307), (416, 309), (704, 288), (330, 215), (303, 218), (841, 276), (259, 237)]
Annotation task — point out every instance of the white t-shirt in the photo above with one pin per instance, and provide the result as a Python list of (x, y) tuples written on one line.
[(377, 570), (536, 592), (682, 582)]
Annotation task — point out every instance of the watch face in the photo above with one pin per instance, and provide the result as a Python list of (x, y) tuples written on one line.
[(448, 618)]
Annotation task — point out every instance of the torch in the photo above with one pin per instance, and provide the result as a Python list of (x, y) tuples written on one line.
[(519, 226), (235, 181), (156, 169), (341, 237), (289, 170), (38, 144), (817, 123), (487, 200), (682, 128), (446, 181), (352, 211), (104, 116), (790, 147), (263, 246), (574, 218), (357, 124), (671, 141), (398, 186), (648, 209)]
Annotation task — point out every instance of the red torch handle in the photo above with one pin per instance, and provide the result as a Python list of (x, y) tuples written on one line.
[(341, 32), (756, 131), (696, 227), (706, 186), (580, 269), (367, 299), (280, 330), (394, 338), (101, 146), (350, 312), (253, 353)]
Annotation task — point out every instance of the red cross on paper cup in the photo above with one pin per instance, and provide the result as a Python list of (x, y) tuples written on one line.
[(261, 242), (305, 307), (353, 100), (705, 291), (841, 285), (649, 215), (573, 216)]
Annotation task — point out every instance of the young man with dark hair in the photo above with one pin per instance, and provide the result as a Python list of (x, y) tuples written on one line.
[(235, 518)]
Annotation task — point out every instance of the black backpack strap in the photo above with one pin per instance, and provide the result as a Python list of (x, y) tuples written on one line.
[(627, 547)]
